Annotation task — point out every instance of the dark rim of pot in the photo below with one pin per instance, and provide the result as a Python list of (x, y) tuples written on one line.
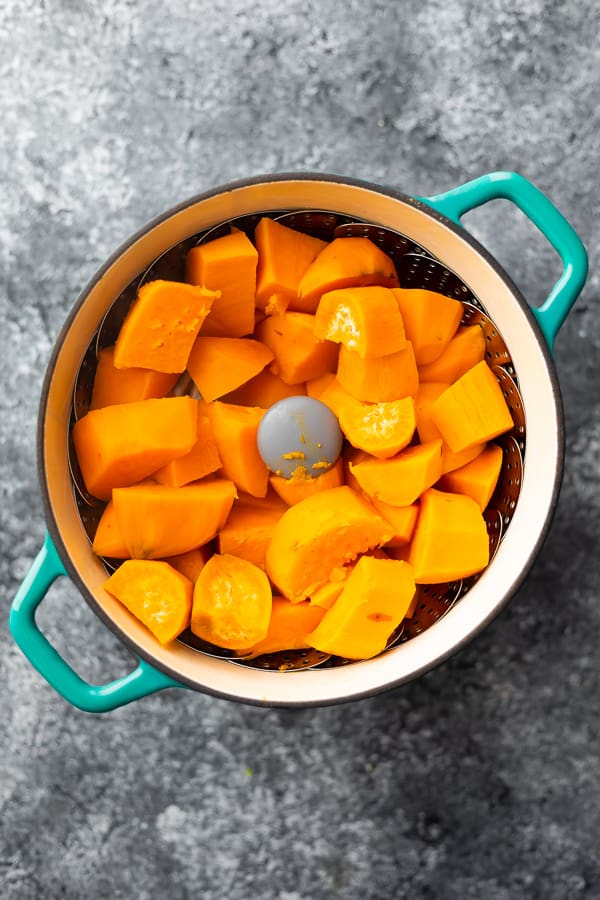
[(232, 186)]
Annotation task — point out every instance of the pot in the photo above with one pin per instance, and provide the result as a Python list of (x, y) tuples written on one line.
[(433, 224)]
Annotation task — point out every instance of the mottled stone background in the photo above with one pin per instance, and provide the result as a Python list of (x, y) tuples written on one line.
[(480, 781)]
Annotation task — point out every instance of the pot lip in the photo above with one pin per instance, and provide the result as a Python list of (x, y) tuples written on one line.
[(424, 208)]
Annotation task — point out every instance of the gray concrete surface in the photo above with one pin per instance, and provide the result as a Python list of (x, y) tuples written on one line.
[(480, 781)]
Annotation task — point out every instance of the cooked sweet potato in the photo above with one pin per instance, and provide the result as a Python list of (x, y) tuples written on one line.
[(161, 326), (318, 534), (430, 320), (364, 319), (402, 479), (235, 429), (112, 385), (284, 255), (293, 490), (299, 354), (379, 380), (450, 539), (232, 603), (345, 262), (373, 601), (228, 265), (288, 627), (156, 521), (219, 365), (465, 349), (472, 410), (120, 445), (156, 594)]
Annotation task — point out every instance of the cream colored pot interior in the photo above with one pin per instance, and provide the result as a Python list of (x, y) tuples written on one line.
[(540, 478)]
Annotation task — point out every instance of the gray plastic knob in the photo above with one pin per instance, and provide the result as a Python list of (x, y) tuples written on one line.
[(299, 434)]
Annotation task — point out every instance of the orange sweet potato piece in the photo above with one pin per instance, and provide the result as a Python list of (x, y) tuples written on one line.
[(402, 518), (464, 350), (293, 490), (318, 534), (264, 390), (226, 264), (329, 391), (351, 456), (249, 528), (386, 378), (472, 410), (203, 459), (373, 602), (112, 385), (364, 319), (218, 365), (345, 262), (232, 603), (161, 326), (235, 429), (382, 429), (284, 255), (192, 562), (156, 521), (120, 445), (108, 540), (156, 594), (427, 394), (450, 539), (325, 595), (478, 478), (400, 480), (289, 625), (299, 354), (430, 320)]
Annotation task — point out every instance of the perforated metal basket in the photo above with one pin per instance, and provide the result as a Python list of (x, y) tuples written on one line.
[(430, 250)]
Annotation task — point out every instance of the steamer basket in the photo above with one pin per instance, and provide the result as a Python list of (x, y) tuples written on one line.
[(430, 249)]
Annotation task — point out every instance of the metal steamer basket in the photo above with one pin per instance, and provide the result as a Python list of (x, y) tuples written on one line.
[(431, 250)]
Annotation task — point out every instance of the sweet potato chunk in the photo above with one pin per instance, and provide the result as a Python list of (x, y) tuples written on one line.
[(371, 605), (298, 487), (430, 320), (203, 459), (450, 539), (232, 603), (318, 534), (472, 410), (156, 594), (345, 262), (382, 429), (161, 326), (364, 319), (235, 429), (112, 385), (120, 445), (299, 354), (465, 349), (284, 255), (249, 527), (157, 521), (228, 265), (219, 365), (379, 380), (400, 480), (478, 478), (289, 626), (264, 390)]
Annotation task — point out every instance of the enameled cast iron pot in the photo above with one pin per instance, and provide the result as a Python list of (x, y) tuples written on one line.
[(433, 223)]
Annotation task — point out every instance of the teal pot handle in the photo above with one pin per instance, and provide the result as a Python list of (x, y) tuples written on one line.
[(545, 216), (144, 680)]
